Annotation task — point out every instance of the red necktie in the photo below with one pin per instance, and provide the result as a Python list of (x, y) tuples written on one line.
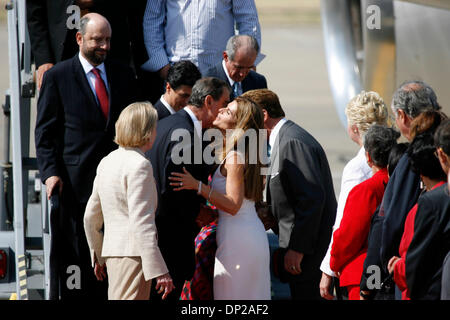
[(102, 94)]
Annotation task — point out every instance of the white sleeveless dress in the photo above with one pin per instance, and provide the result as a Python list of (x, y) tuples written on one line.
[(242, 263)]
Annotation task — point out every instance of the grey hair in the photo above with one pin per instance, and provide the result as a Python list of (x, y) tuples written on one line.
[(414, 97), (207, 87), (238, 41), (83, 24)]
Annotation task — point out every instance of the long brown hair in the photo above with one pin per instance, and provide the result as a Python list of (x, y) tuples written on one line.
[(248, 117), (427, 121)]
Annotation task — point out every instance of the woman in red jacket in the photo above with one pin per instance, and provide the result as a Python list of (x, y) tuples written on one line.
[(422, 157), (350, 239)]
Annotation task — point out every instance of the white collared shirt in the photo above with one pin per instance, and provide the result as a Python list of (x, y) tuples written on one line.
[(275, 131), (197, 123), (231, 81), (87, 67), (167, 105), (355, 171)]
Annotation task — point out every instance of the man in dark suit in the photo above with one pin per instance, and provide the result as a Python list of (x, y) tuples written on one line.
[(403, 189), (79, 103), (237, 64), (181, 76), (177, 210), (52, 29), (299, 188)]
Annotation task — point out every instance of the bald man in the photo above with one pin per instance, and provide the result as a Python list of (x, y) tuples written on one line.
[(79, 103), (51, 26)]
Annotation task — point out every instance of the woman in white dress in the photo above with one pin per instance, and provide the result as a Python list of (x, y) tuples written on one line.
[(242, 262), (362, 111)]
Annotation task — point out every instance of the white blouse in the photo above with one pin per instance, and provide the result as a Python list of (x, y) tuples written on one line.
[(355, 171)]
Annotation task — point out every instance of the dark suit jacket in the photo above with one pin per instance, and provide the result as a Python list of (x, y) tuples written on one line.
[(252, 81), (300, 190), (161, 109), (177, 210), (402, 192), (373, 256), (51, 40), (71, 134), (429, 246)]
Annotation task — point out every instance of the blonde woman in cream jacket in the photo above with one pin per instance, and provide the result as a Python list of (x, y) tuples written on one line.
[(119, 220)]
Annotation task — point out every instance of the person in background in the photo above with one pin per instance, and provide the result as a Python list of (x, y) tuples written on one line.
[(385, 292), (76, 113), (237, 64), (430, 244), (119, 220), (207, 24), (52, 29), (423, 161), (194, 30), (181, 77), (364, 110), (410, 100), (350, 239)]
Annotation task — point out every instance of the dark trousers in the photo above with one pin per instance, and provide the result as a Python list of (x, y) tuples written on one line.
[(307, 288), (72, 275), (179, 257)]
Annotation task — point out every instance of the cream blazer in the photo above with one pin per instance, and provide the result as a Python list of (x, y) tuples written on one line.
[(124, 201)]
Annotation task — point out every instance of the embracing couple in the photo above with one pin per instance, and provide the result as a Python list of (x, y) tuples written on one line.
[(242, 258)]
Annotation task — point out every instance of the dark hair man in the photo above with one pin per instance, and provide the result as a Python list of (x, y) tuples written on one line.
[(181, 77)]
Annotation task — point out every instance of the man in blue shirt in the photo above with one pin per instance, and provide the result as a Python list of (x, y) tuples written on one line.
[(194, 30)]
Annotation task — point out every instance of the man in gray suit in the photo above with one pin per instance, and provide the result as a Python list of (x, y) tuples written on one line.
[(299, 188), (237, 64)]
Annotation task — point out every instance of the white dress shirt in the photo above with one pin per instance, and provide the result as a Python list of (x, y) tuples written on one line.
[(167, 105), (195, 30), (231, 81), (87, 67), (355, 171), (275, 131), (197, 123)]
